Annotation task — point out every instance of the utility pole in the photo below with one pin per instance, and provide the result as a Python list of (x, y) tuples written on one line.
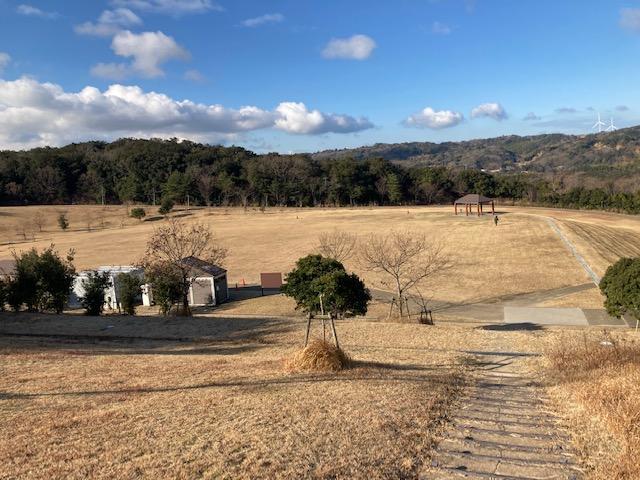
[(187, 201), (102, 195)]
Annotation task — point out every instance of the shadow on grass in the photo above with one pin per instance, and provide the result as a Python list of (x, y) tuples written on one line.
[(61, 330), (348, 376), (513, 327)]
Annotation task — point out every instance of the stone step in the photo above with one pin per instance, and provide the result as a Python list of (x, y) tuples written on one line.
[(494, 428), (504, 401), (471, 415), (511, 447), (505, 439), (496, 450), (500, 466), (445, 473), (507, 427)]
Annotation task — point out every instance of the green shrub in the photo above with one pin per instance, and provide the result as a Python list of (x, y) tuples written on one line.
[(128, 290), (166, 285), (94, 287), (63, 222), (41, 281), (300, 281), (166, 206), (138, 213), (621, 287), (342, 293)]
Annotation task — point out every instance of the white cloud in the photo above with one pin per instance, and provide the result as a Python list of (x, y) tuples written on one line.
[(263, 19), (36, 114), (630, 19), (31, 11), (489, 110), (436, 120), (111, 71), (440, 28), (296, 118), (194, 76), (170, 7), (148, 51), (357, 47), (566, 110), (110, 23), (5, 59), (531, 116)]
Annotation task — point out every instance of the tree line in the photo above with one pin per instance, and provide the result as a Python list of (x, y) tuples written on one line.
[(148, 171)]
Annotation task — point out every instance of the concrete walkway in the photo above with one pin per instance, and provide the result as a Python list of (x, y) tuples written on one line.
[(503, 428), (522, 308)]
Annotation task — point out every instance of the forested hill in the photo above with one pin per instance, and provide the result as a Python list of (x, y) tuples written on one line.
[(612, 155), (597, 171)]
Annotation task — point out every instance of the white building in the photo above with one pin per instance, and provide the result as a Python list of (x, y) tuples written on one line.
[(111, 301)]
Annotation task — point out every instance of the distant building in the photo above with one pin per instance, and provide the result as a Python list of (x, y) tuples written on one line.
[(111, 301), (209, 286)]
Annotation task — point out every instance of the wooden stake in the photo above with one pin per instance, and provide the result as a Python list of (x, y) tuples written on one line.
[(306, 338), (335, 334), (391, 308)]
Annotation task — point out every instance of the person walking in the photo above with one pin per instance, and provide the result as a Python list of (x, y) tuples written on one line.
[(496, 220)]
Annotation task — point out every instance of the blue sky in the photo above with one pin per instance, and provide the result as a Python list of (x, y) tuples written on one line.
[(305, 75)]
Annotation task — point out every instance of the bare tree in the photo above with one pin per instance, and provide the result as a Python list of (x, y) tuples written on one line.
[(405, 259), (337, 245), (39, 220), (206, 185), (175, 241)]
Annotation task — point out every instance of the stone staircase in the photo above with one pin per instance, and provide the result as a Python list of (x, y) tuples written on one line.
[(503, 429)]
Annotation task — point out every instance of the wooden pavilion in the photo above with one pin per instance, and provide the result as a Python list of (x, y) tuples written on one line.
[(471, 200)]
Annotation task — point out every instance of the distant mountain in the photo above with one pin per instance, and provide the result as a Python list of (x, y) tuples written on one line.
[(604, 155)]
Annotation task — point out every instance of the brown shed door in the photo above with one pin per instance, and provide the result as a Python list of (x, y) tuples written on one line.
[(201, 289)]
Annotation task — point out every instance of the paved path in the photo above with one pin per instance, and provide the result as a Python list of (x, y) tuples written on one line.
[(521, 309), (587, 268), (503, 428)]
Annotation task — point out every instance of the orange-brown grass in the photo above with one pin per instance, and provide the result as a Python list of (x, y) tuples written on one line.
[(491, 262), (203, 397), (318, 356), (597, 383)]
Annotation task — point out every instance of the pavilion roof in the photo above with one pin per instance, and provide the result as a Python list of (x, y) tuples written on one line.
[(473, 199)]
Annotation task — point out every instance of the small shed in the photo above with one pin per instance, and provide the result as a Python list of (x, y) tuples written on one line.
[(474, 200), (209, 286)]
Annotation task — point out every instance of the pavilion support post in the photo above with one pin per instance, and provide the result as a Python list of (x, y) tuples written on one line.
[(493, 209), (478, 209), (455, 206)]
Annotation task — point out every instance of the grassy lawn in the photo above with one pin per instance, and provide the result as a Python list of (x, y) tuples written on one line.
[(522, 255), (219, 404)]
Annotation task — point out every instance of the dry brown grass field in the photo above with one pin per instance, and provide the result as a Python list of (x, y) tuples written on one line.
[(221, 405), (153, 397), (594, 378), (521, 255)]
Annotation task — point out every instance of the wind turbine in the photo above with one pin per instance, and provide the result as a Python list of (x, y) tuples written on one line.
[(599, 124), (612, 127)]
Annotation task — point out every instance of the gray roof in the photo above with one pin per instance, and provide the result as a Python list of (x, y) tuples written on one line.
[(473, 199), (201, 267), (7, 267)]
